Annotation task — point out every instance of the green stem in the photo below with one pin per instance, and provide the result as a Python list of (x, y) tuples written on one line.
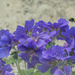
[(17, 61), (18, 67), (25, 66)]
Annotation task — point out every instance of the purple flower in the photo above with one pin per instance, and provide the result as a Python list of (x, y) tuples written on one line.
[(22, 32), (69, 48), (51, 58), (5, 69), (5, 43), (55, 67), (63, 23), (40, 27), (69, 34), (33, 62), (28, 31), (54, 52), (19, 31), (29, 51), (69, 37), (41, 39), (46, 64)]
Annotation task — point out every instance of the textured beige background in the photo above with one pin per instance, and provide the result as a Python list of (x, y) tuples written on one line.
[(16, 12)]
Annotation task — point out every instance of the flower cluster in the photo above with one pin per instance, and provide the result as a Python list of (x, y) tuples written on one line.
[(5, 47), (36, 43)]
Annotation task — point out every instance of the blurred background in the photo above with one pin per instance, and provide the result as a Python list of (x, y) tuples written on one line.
[(16, 12)]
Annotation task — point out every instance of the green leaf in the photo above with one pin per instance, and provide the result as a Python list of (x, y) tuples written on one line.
[(47, 73), (14, 54), (48, 46), (30, 71), (20, 60), (73, 73), (36, 73), (22, 72), (10, 61)]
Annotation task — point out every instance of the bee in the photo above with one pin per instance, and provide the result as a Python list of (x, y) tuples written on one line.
[(72, 19)]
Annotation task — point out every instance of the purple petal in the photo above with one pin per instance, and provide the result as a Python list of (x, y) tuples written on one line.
[(4, 52), (2, 32), (23, 37), (67, 70), (46, 54), (40, 43), (63, 22), (30, 65), (35, 59), (29, 25), (1, 44), (19, 31), (42, 60), (70, 58), (38, 51), (53, 69), (31, 44), (22, 47), (44, 67), (0, 64), (72, 31), (58, 52), (7, 68), (8, 73), (5, 38), (59, 72), (52, 33), (25, 56), (45, 37)]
